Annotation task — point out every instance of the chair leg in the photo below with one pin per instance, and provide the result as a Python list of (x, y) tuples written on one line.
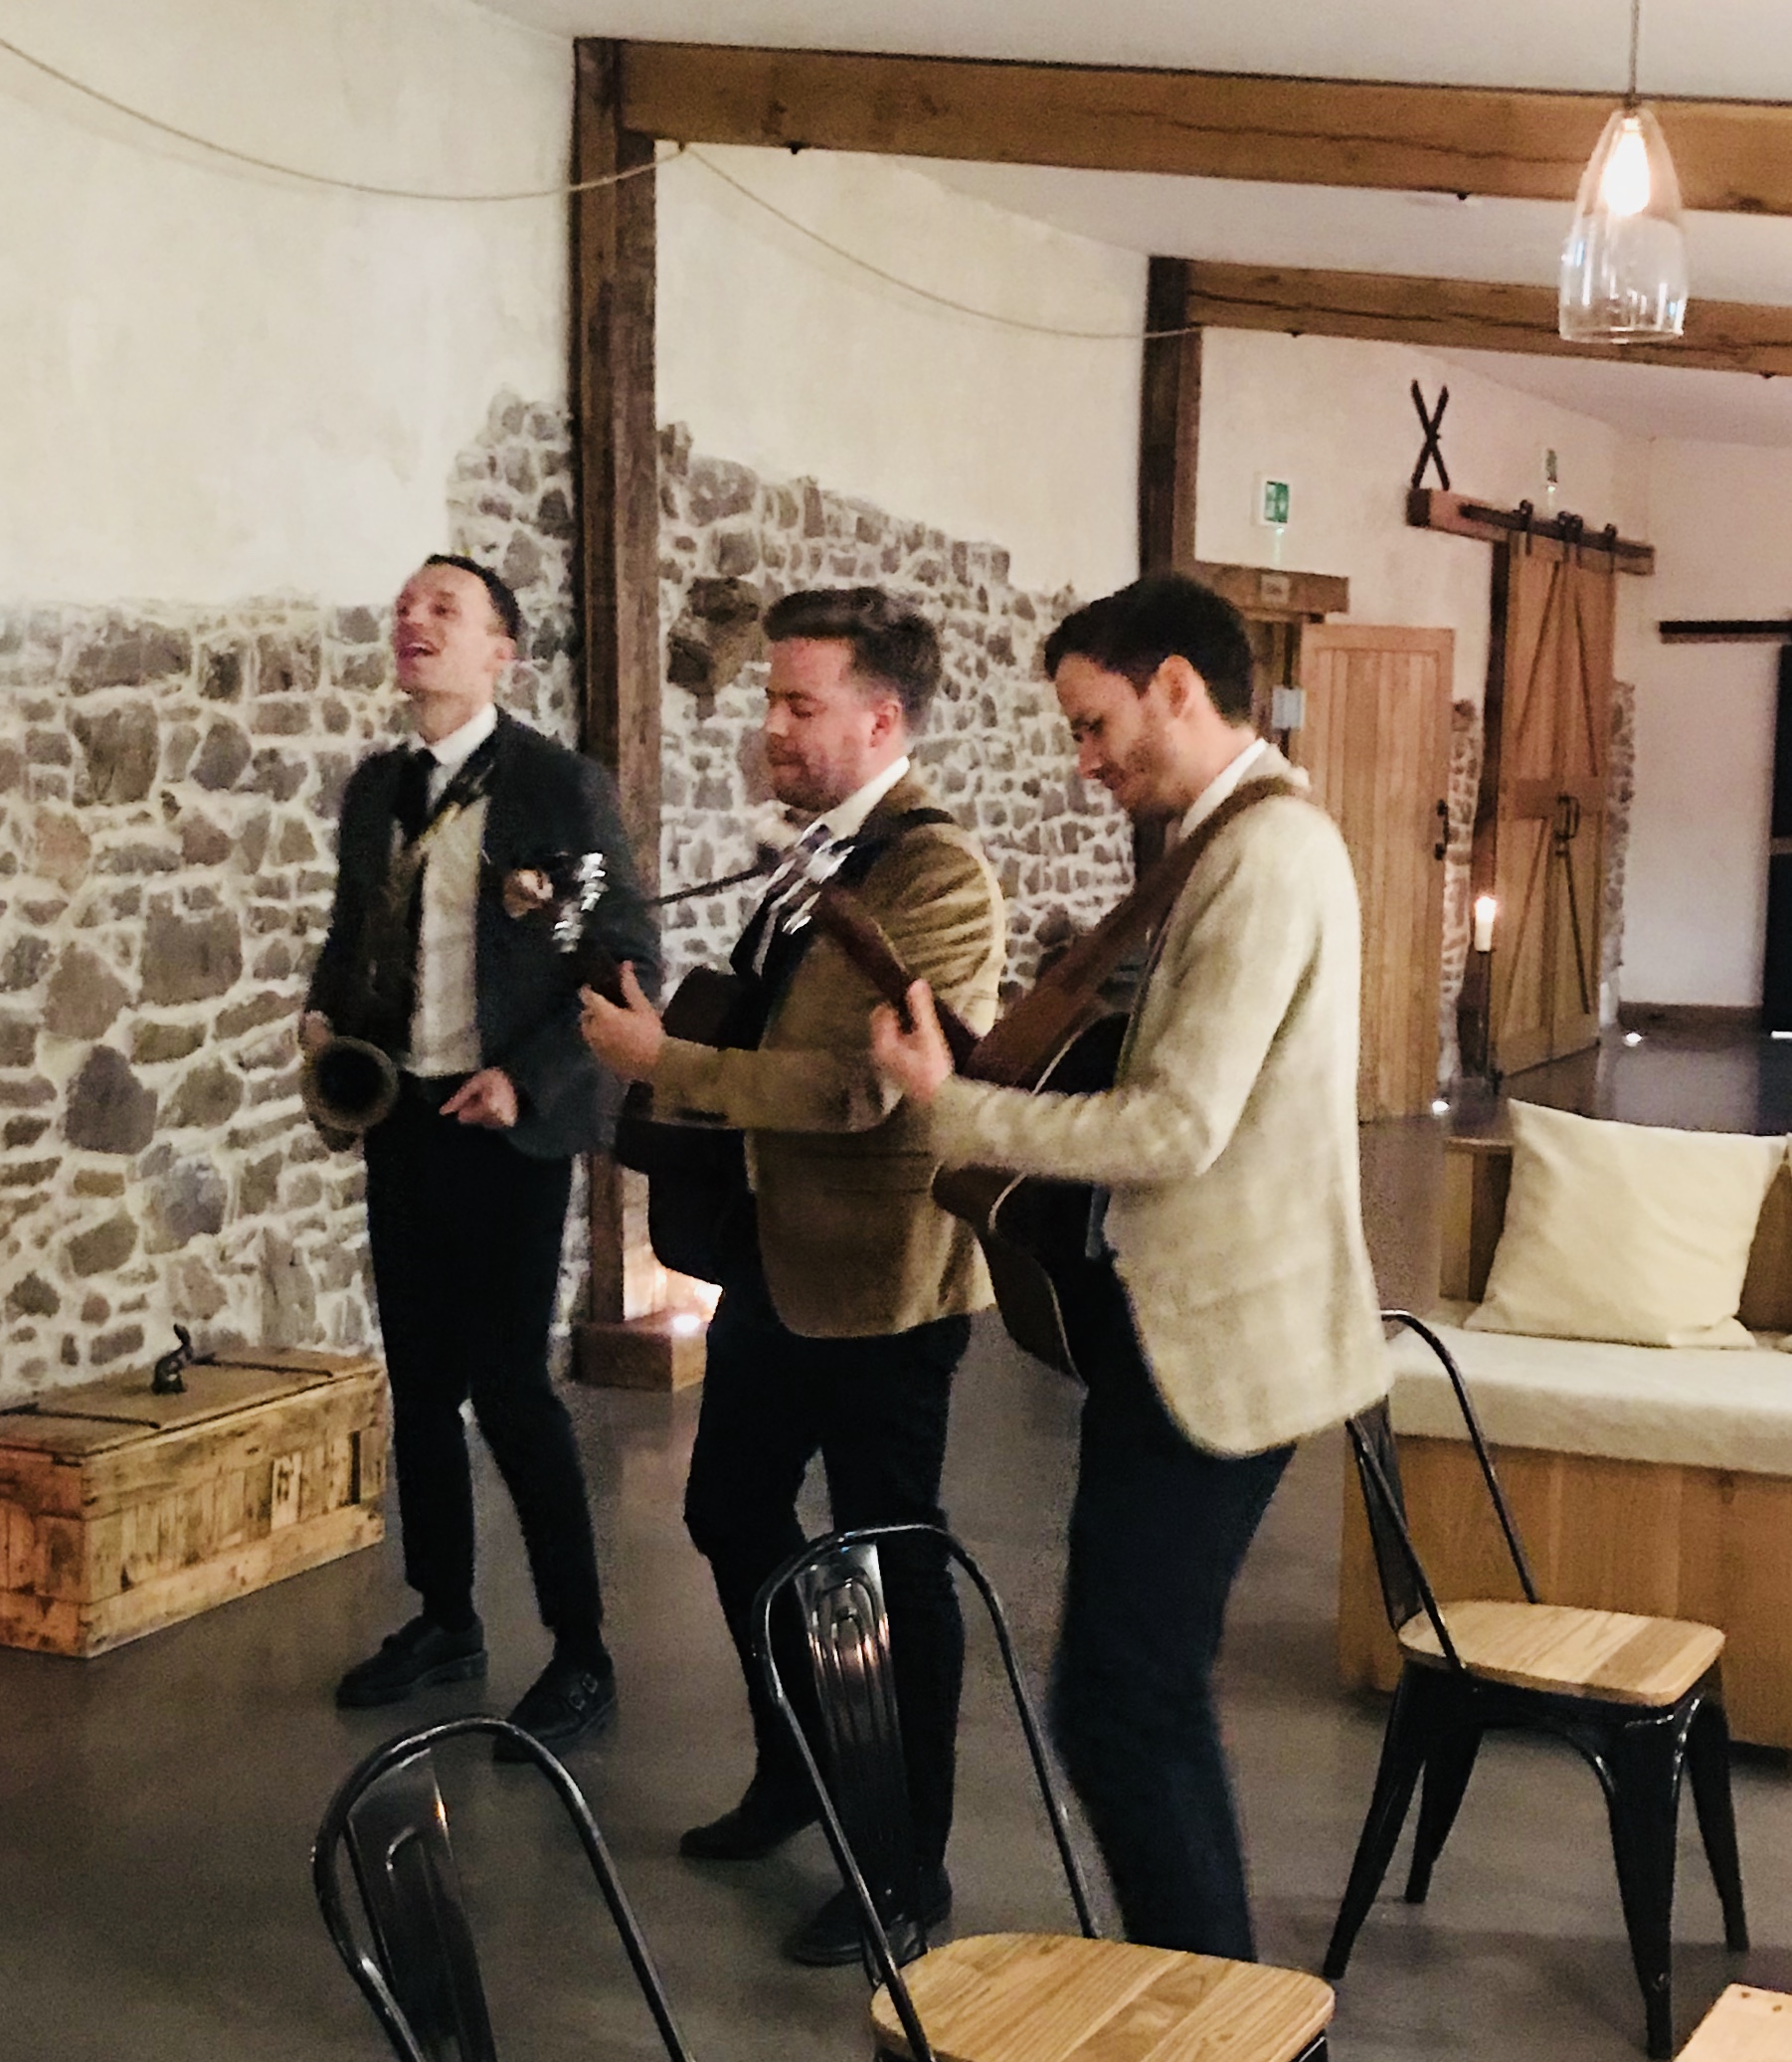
[(1707, 1763), (1447, 1770), (1643, 1800), (1412, 1726)]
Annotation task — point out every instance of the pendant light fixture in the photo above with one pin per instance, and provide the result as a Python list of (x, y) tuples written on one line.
[(1624, 264)]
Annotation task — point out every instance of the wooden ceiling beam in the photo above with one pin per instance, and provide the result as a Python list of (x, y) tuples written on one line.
[(1731, 156), (1470, 314)]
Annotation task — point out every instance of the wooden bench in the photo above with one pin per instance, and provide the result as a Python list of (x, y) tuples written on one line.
[(1658, 1538), (123, 1511)]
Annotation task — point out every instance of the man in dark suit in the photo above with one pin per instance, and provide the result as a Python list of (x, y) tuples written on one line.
[(468, 1178)]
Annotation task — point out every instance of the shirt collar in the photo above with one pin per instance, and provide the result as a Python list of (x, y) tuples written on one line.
[(1230, 776), (847, 818), (450, 753)]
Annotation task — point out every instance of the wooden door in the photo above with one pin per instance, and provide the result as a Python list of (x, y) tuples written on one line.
[(1540, 833), (1377, 746)]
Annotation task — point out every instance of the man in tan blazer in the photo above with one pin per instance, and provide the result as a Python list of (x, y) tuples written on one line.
[(1238, 1312), (842, 1319)]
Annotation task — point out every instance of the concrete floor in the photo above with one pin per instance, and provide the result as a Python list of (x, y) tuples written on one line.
[(156, 1806)]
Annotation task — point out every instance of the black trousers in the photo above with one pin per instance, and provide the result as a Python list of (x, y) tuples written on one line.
[(465, 1235), (876, 1409), (1158, 1533)]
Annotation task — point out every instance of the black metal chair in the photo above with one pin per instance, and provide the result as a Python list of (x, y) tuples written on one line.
[(997, 1998), (421, 1973), (1639, 1698)]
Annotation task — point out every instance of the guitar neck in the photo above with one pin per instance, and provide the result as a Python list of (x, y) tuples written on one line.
[(864, 940), (591, 966)]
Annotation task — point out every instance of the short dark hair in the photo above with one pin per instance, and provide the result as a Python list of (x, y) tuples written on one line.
[(504, 605), (892, 643), (1163, 615)]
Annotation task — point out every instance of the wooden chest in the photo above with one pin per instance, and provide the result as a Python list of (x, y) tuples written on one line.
[(121, 1511)]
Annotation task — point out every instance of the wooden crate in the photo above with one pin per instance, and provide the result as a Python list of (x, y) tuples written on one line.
[(121, 1511)]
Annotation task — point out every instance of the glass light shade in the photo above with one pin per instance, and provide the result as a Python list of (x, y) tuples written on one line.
[(1624, 264)]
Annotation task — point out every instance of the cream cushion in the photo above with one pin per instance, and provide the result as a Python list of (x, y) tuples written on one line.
[(1695, 1407), (1626, 1231)]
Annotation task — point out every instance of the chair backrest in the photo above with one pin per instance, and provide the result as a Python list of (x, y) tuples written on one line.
[(396, 1836), (848, 1632), (836, 1582), (422, 1975), (1405, 1587)]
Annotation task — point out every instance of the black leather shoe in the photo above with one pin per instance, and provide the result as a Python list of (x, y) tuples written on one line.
[(763, 1820), (565, 1703), (831, 1936), (413, 1658)]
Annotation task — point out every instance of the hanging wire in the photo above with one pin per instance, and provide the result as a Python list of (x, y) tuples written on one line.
[(360, 186), (1636, 30), (940, 301), (369, 189)]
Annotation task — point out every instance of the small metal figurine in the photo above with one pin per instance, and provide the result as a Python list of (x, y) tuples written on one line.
[(167, 1380)]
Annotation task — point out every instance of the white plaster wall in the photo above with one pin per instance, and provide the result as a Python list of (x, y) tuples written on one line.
[(219, 382), (1334, 418), (795, 362), (1721, 518)]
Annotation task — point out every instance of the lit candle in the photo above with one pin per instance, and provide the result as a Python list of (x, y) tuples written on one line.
[(1486, 908)]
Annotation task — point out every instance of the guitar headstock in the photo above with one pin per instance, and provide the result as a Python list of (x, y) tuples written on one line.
[(557, 894)]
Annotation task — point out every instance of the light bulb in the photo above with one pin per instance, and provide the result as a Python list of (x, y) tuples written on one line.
[(1624, 187)]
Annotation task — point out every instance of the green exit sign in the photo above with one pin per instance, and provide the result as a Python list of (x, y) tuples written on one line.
[(1273, 498)]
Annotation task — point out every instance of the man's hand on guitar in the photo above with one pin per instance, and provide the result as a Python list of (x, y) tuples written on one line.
[(487, 1098), (627, 1041), (913, 1057)]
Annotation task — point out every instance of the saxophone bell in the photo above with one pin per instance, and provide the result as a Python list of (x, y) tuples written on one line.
[(348, 1085)]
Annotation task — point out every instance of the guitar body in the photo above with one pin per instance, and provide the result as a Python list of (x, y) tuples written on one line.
[(1034, 1232), (699, 1207)]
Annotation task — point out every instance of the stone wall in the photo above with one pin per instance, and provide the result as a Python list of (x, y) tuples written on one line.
[(996, 751), (169, 781)]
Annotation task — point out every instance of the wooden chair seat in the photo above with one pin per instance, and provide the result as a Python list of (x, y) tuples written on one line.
[(1057, 1998), (1566, 1651), (1744, 2026)]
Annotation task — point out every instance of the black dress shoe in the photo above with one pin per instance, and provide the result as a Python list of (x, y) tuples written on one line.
[(566, 1702), (831, 1937), (763, 1820), (413, 1658)]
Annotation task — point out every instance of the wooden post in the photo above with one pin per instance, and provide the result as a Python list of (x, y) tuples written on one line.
[(1169, 421), (1169, 428), (616, 454)]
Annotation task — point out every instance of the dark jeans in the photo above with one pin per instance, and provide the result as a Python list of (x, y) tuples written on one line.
[(876, 1409), (1158, 1533), (465, 1235)]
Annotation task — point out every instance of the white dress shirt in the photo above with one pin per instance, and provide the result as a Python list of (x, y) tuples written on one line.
[(444, 1029), (1229, 777)]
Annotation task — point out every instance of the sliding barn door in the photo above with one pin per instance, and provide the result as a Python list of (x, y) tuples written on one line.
[(1545, 774), (1375, 744)]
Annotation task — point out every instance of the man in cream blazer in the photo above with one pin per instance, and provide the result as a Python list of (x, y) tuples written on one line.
[(1239, 1312), (847, 1309)]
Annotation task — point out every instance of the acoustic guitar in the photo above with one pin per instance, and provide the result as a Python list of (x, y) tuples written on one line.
[(1065, 1038)]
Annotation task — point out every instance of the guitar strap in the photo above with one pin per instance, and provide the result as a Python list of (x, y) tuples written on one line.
[(1037, 1029)]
